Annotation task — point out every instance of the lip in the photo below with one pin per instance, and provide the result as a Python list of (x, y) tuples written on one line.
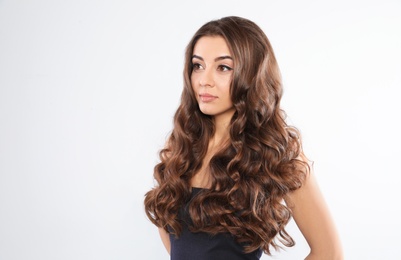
[(205, 97)]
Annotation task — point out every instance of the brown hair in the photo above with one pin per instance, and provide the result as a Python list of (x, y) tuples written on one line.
[(255, 172)]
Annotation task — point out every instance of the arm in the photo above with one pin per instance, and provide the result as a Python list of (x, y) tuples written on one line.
[(312, 216), (165, 239)]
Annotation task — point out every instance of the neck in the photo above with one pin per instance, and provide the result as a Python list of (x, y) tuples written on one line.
[(222, 128)]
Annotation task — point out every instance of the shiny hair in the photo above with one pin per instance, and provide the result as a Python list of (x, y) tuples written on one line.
[(256, 170)]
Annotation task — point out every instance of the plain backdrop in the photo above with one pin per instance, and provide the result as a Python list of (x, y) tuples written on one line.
[(88, 90)]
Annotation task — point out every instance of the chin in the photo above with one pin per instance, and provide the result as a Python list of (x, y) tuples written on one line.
[(208, 113)]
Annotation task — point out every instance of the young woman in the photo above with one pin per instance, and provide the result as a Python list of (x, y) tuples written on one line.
[(233, 173)]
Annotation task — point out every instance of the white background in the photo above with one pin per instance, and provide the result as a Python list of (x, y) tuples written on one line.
[(88, 90)]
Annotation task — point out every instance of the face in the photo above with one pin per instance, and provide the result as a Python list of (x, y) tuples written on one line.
[(211, 77)]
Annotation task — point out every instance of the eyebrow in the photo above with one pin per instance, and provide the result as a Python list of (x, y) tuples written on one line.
[(216, 59)]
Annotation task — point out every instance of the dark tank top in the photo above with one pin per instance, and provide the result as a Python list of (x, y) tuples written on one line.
[(204, 246)]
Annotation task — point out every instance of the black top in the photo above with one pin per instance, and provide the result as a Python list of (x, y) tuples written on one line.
[(203, 246)]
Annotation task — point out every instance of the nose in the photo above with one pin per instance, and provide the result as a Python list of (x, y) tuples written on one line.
[(206, 79)]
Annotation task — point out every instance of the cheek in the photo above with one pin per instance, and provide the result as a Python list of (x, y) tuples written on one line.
[(228, 92), (225, 85), (193, 81)]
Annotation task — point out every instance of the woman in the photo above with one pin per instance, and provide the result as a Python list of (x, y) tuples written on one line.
[(233, 173)]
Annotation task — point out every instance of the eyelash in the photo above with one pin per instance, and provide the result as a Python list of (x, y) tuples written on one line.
[(224, 68), (196, 66)]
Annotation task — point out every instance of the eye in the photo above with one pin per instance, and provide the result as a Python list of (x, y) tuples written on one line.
[(224, 68), (196, 66)]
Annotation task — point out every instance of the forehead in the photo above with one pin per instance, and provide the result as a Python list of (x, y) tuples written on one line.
[(211, 46)]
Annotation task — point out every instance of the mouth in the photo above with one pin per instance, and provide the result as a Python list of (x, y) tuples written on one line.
[(207, 97)]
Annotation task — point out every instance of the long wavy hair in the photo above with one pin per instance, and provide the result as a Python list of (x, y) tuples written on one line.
[(255, 172)]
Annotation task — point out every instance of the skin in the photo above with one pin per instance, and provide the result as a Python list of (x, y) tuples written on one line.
[(211, 78), (312, 216)]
